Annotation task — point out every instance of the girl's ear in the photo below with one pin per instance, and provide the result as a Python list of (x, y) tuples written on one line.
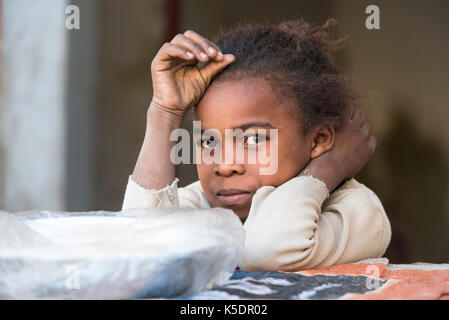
[(323, 141)]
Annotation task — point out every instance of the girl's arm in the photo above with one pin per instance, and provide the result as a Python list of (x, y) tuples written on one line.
[(352, 149), (154, 169), (296, 226), (291, 228), (178, 85)]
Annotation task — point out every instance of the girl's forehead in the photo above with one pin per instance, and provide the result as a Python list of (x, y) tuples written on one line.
[(231, 102), (240, 98)]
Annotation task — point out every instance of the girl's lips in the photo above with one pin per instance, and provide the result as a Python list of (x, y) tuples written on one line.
[(234, 199)]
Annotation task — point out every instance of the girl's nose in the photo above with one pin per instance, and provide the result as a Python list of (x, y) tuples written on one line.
[(227, 170), (229, 167)]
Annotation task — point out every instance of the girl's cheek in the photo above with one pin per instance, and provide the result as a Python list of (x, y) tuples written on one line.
[(202, 173)]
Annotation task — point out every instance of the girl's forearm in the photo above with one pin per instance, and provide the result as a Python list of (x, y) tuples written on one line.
[(325, 169), (153, 169)]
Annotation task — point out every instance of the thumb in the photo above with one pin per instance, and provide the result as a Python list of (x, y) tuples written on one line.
[(214, 67)]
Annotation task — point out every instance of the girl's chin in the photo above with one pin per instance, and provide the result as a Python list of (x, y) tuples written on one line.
[(241, 210), (242, 214)]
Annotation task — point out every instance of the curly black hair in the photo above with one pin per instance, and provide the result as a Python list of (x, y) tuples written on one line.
[(297, 59)]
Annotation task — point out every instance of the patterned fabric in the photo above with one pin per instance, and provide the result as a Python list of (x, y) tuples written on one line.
[(369, 279)]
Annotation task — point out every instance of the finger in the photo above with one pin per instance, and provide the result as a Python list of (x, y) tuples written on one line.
[(208, 46), (169, 51), (372, 143), (212, 50), (351, 112), (182, 41), (359, 116), (365, 128), (214, 67)]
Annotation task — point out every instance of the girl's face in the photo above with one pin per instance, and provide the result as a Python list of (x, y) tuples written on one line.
[(249, 104)]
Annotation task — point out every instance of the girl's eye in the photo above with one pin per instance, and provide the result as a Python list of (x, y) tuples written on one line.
[(254, 139), (208, 143)]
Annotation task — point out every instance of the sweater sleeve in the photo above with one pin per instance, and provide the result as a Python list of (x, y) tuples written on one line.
[(170, 196), (287, 230)]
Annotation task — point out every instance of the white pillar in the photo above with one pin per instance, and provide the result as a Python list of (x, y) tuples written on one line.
[(33, 108)]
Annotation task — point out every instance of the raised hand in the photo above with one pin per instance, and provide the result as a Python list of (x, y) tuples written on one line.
[(354, 145), (178, 82), (352, 149)]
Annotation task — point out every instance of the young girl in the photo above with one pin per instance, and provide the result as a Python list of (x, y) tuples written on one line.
[(310, 213)]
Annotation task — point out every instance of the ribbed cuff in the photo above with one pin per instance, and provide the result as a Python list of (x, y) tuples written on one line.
[(137, 196)]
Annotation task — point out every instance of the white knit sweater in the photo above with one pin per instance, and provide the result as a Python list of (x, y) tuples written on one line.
[(294, 226)]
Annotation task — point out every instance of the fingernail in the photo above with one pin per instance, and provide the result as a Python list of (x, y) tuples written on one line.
[(190, 55), (203, 55), (220, 54), (211, 50)]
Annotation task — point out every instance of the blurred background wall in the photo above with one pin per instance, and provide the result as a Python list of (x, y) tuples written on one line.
[(73, 102)]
